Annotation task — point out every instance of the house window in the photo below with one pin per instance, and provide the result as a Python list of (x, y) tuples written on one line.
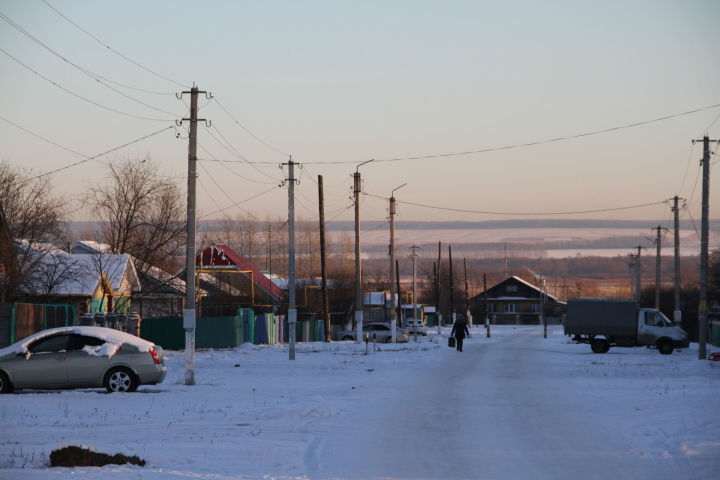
[(510, 308), (511, 288), (490, 307), (536, 308)]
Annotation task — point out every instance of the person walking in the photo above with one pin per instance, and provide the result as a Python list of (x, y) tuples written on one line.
[(459, 331)]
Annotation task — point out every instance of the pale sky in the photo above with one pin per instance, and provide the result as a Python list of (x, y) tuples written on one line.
[(343, 81)]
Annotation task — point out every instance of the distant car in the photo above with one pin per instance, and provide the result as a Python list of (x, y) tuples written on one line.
[(380, 332), (416, 326), (81, 357)]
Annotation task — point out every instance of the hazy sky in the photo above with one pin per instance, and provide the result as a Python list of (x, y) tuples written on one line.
[(347, 81)]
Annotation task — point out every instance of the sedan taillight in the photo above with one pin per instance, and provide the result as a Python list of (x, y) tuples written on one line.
[(155, 356)]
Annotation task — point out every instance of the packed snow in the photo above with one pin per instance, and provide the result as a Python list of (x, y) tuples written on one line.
[(515, 405)]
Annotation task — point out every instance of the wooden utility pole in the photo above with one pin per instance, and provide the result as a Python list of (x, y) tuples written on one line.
[(658, 240), (467, 295), (413, 256), (323, 267), (397, 282), (637, 271), (268, 260), (485, 305), (452, 288), (437, 290), (189, 321)]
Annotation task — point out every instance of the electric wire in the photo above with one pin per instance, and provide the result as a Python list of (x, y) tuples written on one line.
[(230, 148), (247, 130), (207, 192), (488, 212), (222, 189), (46, 140), (220, 162), (241, 201), (120, 112), (87, 159), (117, 52), (552, 140), (98, 78)]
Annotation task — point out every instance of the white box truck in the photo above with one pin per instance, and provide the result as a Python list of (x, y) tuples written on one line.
[(604, 322)]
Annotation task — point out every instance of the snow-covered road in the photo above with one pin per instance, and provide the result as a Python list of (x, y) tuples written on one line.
[(513, 406), (495, 411)]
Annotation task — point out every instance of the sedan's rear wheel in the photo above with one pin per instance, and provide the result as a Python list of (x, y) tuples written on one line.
[(120, 380), (5, 385)]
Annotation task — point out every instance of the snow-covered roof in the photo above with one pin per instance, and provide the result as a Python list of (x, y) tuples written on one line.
[(109, 335), (84, 273), (90, 246), (514, 277), (39, 247)]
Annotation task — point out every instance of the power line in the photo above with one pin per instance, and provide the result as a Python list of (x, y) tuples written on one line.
[(93, 157), (241, 201), (43, 138), (213, 159), (247, 130), (80, 96), (221, 189), (98, 78), (553, 140), (435, 207), (230, 148), (118, 53)]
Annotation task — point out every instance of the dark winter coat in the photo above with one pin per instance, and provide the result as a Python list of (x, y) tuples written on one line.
[(460, 329)]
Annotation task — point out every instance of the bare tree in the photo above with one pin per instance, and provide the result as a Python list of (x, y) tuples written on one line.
[(30, 212), (142, 213)]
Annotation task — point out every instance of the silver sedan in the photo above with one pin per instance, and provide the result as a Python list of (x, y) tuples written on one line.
[(81, 357), (380, 332)]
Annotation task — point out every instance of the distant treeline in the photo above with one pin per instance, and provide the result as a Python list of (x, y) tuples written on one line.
[(218, 225)]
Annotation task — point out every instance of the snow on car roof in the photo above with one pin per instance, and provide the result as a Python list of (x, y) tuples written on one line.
[(108, 335)]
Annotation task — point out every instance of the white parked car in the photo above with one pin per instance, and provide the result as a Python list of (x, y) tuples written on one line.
[(414, 325)]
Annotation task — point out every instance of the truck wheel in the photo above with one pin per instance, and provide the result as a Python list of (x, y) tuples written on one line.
[(600, 345), (665, 347)]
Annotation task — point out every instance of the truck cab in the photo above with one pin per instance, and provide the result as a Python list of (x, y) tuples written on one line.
[(654, 328)]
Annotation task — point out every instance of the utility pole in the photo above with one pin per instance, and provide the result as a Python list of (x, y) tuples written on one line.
[(636, 268), (393, 306), (658, 240), (452, 292), (357, 188), (702, 307), (543, 294), (487, 317), (268, 260), (506, 261), (189, 321), (413, 256), (467, 296), (292, 312), (397, 277), (437, 291), (677, 313), (323, 267)]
